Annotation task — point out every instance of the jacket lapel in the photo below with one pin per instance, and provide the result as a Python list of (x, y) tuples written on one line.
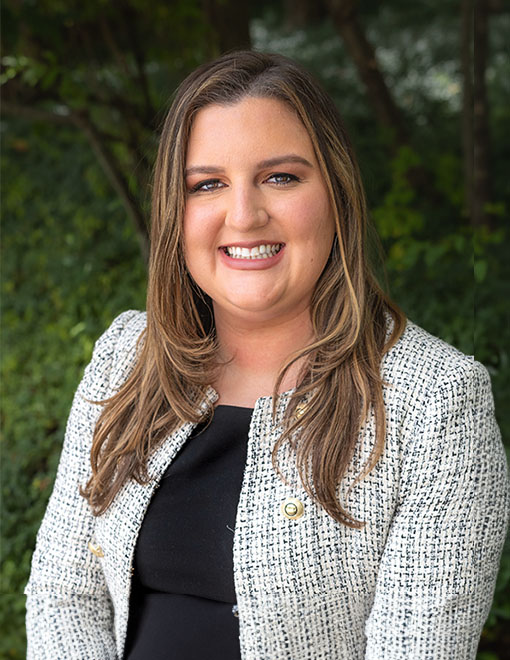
[(118, 528)]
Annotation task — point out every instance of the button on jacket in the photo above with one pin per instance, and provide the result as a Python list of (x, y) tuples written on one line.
[(415, 583)]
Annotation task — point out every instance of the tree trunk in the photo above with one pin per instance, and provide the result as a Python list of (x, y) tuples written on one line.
[(344, 16), (475, 109), (230, 22), (466, 45), (481, 137), (303, 13)]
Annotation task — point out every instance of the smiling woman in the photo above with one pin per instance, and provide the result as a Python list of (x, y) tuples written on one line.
[(256, 238), (327, 470)]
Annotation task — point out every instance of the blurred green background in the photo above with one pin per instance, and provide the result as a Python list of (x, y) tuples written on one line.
[(85, 88)]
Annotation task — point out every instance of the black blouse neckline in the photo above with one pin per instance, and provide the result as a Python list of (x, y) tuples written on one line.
[(229, 405)]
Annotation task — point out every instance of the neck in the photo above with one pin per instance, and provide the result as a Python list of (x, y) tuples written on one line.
[(254, 354)]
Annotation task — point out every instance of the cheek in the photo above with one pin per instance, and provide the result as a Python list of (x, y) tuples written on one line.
[(200, 240), (198, 231), (191, 226), (315, 224), (311, 210)]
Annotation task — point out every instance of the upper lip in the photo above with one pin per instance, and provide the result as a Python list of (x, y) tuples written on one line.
[(251, 244)]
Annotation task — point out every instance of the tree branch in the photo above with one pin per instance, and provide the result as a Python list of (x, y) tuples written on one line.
[(103, 154), (230, 21), (481, 135), (117, 180), (130, 25), (35, 114), (497, 7), (344, 16), (115, 50), (466, 52)]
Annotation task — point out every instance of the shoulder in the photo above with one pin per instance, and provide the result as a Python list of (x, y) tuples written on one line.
[(422, 369), (122, 336), (114, 354), (129, 328), (441, 421)]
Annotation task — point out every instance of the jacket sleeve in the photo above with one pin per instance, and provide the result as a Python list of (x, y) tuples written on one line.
[(439, 565), (69, 611)]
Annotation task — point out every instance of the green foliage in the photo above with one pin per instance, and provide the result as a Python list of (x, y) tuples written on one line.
[(71, 264), (453, 281), (71, 261), (398, 216), (447, 278)]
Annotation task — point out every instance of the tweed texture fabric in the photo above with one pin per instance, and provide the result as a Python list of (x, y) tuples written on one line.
[(416, 583)]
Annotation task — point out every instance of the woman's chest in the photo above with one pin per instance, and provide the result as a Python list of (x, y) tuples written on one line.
[(283, 540)]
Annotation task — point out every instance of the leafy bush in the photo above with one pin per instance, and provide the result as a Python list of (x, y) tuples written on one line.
[(71, 264)]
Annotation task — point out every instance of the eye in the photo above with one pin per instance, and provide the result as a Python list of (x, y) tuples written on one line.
[(206, 186), (282, 178)]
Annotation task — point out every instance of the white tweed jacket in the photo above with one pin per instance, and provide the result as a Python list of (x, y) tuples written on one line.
[(415, 583)]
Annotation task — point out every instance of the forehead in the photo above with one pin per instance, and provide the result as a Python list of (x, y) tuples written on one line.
[(254, 128)]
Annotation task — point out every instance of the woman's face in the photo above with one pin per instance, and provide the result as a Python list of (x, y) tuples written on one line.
[(258, 226)]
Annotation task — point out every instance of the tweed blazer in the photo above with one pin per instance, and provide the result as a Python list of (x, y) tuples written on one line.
[(416, 582)]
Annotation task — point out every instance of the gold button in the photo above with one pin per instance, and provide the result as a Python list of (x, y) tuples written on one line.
[(95, 549), (300, 410), (292, 508)]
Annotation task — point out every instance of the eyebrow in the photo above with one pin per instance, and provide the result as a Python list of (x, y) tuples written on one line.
[(269, 162)]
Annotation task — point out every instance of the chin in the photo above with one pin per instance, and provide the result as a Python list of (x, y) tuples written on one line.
[(254, 307), (248, 307)]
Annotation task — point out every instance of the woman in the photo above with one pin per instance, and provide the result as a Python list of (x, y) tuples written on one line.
[(331, 478)]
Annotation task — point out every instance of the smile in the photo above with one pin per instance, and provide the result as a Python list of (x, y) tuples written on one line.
[(257, 252)]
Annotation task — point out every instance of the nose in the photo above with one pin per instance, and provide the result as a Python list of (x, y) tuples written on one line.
[(246, 209)]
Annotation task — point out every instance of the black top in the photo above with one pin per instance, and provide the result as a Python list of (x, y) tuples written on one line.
[(183, 585)]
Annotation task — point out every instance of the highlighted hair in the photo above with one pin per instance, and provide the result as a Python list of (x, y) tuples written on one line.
[(350, 314)]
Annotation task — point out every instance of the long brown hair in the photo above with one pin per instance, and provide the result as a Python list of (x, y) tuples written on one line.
[(177, 359)]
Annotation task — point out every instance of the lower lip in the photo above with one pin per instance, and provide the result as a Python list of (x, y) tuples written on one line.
[(251, 264)]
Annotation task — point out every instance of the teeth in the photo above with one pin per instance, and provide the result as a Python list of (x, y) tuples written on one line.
[(257, 252)]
